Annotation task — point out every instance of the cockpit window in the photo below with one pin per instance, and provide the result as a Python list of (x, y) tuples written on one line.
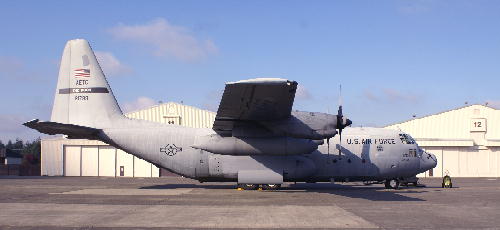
[(403, 139), (406, 139), (411, 140)]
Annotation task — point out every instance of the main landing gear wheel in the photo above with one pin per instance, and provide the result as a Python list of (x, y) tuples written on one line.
[(248, 186), (392, 184), (271, 186)]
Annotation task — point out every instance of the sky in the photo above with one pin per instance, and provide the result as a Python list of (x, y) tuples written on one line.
[(395, 59)]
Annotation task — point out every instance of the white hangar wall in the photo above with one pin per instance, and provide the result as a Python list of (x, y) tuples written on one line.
[(466, 141), (80, 157), (174, 113)]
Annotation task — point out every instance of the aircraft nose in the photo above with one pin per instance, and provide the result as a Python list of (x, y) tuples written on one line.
[(428, 161), (434, 159)]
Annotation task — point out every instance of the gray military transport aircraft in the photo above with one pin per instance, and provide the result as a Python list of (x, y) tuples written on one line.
[(256, 139)]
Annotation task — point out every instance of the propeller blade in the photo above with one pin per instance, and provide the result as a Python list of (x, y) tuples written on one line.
[(340, 142), (328, 145), (340, 119)]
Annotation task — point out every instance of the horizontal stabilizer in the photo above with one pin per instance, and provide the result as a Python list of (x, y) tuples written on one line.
[(72, 131)]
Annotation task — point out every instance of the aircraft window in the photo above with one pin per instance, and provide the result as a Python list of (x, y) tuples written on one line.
[(406, 139), (413, 153), (403, 138), (412, 141)]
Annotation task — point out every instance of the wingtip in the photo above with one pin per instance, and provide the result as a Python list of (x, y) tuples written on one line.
[(28, 123), (261, 80)]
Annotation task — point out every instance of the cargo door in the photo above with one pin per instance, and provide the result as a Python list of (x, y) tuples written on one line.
[(352, 161), (368, 168)]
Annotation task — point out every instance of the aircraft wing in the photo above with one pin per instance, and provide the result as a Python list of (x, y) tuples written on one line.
[(261, 99), (72, 131)]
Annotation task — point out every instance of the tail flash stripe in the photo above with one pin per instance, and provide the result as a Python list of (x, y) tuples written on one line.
[(84, 90)]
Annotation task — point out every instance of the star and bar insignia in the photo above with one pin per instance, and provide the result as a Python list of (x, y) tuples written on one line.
[(171, 149)]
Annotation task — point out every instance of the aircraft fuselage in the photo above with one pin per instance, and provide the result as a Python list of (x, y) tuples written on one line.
[(367, 154)]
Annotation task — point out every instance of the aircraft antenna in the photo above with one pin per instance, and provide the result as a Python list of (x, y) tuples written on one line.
[(340, 96)]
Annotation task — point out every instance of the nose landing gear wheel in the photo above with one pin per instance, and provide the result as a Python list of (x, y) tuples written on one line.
[(248, 186), (271, 186), (392, 184)]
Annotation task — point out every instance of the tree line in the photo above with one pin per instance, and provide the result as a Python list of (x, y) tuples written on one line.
[(29, 149)]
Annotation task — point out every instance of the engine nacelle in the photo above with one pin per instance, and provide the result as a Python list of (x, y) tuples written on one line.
[(254, 146), (307, 125)]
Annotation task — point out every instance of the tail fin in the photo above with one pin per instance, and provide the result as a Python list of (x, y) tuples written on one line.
[(83, 96)]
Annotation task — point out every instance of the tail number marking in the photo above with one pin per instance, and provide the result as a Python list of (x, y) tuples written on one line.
[(81, 98)]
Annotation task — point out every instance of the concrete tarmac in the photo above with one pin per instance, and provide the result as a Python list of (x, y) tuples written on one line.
[(174, 202)]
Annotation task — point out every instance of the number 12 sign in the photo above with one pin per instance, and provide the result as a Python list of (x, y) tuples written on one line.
[(478, 125)]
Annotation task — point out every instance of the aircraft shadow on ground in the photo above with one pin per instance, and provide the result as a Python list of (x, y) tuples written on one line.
[(202, 186), (373, 193)]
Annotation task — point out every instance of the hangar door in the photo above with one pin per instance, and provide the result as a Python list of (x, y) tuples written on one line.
[(107, 156), (465, 162), (96, 160), (124, 164), (84, 160), (90, 161), (72, 160)]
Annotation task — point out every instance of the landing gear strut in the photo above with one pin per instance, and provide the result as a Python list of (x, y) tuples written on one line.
[(248, 186), (392, 184), (271, 186), (256, 186)]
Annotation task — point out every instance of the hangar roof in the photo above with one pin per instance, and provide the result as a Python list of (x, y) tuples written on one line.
[(456, 127)]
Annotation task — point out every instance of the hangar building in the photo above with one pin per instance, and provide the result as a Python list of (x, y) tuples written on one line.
[(75, 157), (466, 140)]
